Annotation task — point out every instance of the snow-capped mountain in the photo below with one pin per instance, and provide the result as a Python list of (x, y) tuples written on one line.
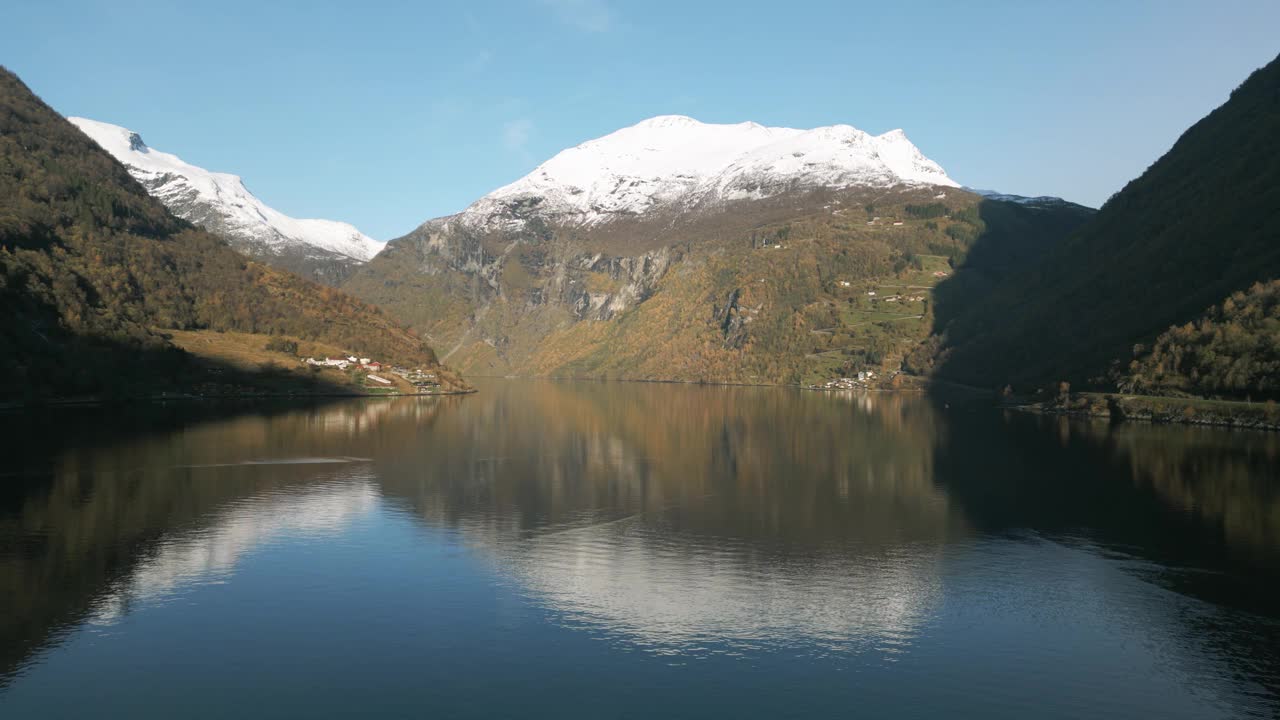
[(686, 250), (220, 203), (1029, 201), (677, 161)]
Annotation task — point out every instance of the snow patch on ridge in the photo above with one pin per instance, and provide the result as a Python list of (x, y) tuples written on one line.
[(1036, 201)]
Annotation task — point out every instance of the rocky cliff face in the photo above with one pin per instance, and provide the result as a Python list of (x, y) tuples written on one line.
[(633, 280), (499, 294)]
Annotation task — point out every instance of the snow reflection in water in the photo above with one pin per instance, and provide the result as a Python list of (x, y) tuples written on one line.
[(210, 554)]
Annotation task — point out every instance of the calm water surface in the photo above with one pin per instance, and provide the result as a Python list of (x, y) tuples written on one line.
[(549, 549)]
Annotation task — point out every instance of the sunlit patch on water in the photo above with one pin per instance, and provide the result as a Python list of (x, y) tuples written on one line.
[(284, 461)]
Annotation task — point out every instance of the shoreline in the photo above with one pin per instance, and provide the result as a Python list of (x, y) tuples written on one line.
[(1152, 409), (1113, 407), (191, 397), (1157, 410), (922, 387)]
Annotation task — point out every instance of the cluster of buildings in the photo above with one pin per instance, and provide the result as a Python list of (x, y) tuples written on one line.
[(865, 378), (876, 221), (347, 362), (903, 298), (417, 377)]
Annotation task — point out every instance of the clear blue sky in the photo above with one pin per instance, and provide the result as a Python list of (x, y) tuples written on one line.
[(387, 114)]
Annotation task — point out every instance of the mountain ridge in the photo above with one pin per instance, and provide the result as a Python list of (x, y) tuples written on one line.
[(326, 250)]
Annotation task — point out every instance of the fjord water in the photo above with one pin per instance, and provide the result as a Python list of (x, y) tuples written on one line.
[(547, 549)]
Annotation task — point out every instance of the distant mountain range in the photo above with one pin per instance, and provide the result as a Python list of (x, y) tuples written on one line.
[(324, 250), (681, 250), (1022, 199)]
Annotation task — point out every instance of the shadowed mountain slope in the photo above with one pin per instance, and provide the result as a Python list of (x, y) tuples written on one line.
[(1201, 223)]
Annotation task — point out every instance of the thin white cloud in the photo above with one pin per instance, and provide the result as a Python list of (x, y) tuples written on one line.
[(444, 111), (478, 62), (515, 135), (593, 16)]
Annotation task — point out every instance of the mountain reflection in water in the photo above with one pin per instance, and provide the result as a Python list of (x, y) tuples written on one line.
[(682, 519), (953, 558)]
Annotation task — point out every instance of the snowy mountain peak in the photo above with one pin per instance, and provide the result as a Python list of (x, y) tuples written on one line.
[(662, 121), (677, 161), (221, 203)]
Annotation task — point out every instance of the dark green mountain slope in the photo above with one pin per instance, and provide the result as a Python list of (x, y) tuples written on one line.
[(91, 266), (1233, 350), (1199, 224)]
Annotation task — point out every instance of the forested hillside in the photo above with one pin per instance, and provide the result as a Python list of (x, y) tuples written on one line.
[(802, 287), (1233, 350), (1201, 223), (91, 266)]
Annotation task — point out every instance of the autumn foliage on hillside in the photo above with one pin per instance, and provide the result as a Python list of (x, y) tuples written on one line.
[(1231, 351)]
